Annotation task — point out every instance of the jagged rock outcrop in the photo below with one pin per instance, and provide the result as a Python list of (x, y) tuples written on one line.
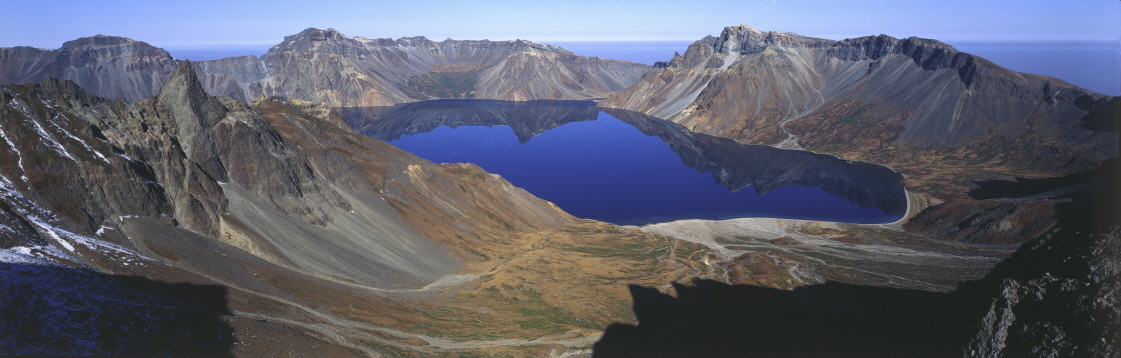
[(106, 66), (868, 94), (326, 66), (1058, 295)]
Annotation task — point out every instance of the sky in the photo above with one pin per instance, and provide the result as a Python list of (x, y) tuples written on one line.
[(49, 23)]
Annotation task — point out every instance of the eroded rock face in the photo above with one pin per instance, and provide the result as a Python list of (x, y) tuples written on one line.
[(327, 66), (106, 66), (214, 167), (868, 94), (356, 72)]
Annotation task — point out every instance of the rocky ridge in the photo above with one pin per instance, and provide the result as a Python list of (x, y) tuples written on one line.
[(327, 66), (352, 72), (866, 97), (108, 66)]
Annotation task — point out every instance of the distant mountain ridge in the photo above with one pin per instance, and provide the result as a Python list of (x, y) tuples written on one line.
[(327, 66), (107, 66), (863, 95)]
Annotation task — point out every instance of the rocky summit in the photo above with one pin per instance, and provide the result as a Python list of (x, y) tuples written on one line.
[(107, 66), (151, 206), (873, 98), (327, 66)]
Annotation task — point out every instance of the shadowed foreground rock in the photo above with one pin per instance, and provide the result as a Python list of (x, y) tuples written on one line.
[(51, 310), (1057, 296), (713, 319)]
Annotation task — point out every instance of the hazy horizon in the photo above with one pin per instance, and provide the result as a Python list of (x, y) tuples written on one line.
[(608, 29), (49, 24), (1093, 65)]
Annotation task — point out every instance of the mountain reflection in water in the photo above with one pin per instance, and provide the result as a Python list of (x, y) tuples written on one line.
[(628, 168)]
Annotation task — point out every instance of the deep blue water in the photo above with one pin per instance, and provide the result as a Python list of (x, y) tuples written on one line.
[(608, 170)]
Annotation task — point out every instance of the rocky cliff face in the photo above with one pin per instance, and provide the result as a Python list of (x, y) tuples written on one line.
[(213, 167), (106, 66), (219, 169), (866, 94), (326, 66)]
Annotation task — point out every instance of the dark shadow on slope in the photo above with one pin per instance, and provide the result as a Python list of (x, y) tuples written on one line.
[(1055, 296), (1105, 113), (713, 319), (61, 311), (1009, 187)]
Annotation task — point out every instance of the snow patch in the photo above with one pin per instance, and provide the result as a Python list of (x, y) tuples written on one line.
[(79, 140), (42, 133), (34, 255), (50, 232), (25, 256), (12, 147), (101, 230), (110, 250), (17, 200), (39, 217)]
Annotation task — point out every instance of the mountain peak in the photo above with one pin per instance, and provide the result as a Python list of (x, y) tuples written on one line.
[(183, 92), (745, 39), (102, 41), (312, 38), (316, 34), (184, 81), (194, 113), (742, 28)]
